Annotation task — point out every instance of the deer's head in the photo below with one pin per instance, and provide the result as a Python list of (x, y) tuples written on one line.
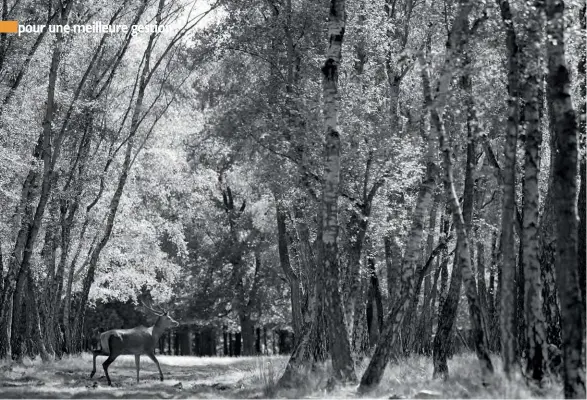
[(165, 321)]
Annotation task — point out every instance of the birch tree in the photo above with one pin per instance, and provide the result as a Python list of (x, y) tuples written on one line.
[(340, 350), (508, 258), (535, 330), (565, 195)]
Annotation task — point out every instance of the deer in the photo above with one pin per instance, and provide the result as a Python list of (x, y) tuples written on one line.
[(139, 340)]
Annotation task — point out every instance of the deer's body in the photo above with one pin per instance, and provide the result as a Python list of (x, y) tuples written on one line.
[(137, 341)]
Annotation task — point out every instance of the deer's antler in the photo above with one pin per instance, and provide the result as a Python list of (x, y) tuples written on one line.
[(150, 307)]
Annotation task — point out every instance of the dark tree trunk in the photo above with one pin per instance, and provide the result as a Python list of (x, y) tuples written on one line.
[(565, 191), (424, 329), (374, 298), (237, 344), (582, 164), (248, 335), (290, 274), (508, 265), (393, 262), (258, 340), (534, 332), (225, 342)]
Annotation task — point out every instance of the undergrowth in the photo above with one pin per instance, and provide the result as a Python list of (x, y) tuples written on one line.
[(412, 378), (257, 377)]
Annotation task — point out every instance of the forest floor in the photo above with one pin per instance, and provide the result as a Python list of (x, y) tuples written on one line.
[(247, 377)]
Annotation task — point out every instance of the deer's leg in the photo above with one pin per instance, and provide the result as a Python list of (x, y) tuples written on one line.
[(96, 353), (152, 357), (138, 364), (106, 364), (114, 345)]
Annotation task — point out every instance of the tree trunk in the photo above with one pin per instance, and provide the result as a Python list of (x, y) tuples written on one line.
[(46, 311), (445, 223), (290, 274), (581, 67), (340, 350), (248, 334), (1, 270), (36, 331), (427, 324), (534, 319), (565, 192), (508, 265), (376, 298), (425, 333), (225, 341), (67, 213), (482, 287), (355, 281), (547, 248), (393, 263), (311, 347)]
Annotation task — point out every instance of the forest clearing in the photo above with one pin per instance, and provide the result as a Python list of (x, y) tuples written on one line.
[(293, 198), (249, 377)]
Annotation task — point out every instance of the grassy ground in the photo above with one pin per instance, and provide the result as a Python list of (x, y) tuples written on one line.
[(246, 377)]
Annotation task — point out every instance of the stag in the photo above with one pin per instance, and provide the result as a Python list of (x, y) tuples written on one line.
[(137, 341)]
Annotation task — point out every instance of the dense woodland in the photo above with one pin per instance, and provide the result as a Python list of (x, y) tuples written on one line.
[(379, 177)]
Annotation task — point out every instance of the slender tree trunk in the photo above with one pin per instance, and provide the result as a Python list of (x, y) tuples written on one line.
[(534, 319), (445, 223), (565, 185), (582, 164), (492, 295), (290, 274), (46, 305), (355, 283), (36, 331), (393, 263), (1, 270), (508, 265), (547, 248), (425, 325), (374, 297), (482, 286)]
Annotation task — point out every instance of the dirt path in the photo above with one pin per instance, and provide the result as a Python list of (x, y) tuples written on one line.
[(185, 377)]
